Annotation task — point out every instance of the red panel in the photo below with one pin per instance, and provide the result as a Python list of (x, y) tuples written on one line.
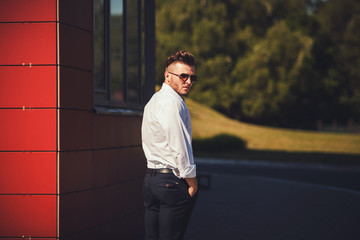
[(75, 88), (128, 227), (28, 86), (116, 165), (28, 215), (76, 211), (88, 169), (28, 238), (25, 10), (75, 47), (76, 171), (89, 209), (116, 131), (25, 43), (75, 129), (29, 129), (77, 13), (26, 172)]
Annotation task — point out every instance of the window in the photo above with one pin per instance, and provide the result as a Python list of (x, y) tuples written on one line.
[(119, 54)]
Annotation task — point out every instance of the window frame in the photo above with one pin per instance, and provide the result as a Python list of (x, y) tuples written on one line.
[(103, 101)]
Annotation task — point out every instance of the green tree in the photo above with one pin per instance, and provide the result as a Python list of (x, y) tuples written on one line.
[(338, 58), (264, 79), (280, 62)]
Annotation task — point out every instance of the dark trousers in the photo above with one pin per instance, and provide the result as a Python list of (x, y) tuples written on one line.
[(168, 206)]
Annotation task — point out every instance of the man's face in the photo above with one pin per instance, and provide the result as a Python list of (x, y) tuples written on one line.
[(178, 68)]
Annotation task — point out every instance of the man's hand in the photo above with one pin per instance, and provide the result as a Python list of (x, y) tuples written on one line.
[(193, 186)]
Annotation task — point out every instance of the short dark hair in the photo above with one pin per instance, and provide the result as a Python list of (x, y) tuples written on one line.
[(181, 56)]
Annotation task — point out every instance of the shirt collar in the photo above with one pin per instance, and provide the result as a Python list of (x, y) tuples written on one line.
[(171, 91)]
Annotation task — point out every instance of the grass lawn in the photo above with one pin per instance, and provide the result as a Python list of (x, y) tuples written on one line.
[(269, 143)]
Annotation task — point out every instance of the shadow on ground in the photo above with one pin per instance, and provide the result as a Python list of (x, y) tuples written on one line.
[(307, 157), (225, 146), (219, 143)]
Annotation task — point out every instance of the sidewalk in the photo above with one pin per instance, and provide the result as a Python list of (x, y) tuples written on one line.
[(260, 208)]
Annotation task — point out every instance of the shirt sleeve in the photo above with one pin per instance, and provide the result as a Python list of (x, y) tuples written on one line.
[(173, 118)]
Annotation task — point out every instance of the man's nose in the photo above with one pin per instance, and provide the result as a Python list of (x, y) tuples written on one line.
[(188, 81)]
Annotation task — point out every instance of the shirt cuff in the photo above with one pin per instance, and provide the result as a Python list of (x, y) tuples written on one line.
[(188, 172)]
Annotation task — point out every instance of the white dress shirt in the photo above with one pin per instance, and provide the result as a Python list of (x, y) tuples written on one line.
[(166, 133)]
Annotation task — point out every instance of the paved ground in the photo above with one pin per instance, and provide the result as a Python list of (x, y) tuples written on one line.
[(285, 202)]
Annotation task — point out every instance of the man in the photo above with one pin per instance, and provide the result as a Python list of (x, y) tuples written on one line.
[(170, 184)]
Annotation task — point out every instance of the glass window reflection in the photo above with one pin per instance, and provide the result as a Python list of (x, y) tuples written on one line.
[(133, 52), (99, 47), (116, 49)]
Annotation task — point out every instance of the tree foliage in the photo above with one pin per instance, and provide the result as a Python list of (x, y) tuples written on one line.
[(275, 62)]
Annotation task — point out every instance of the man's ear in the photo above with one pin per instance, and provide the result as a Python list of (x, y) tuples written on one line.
[(167, 76)]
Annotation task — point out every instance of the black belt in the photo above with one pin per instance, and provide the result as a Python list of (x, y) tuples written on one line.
[(159, 170)]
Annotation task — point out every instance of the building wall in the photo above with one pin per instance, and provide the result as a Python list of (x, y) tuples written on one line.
[(28, 119), (66, 171)]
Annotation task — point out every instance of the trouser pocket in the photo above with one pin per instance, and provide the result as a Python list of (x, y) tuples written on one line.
[(172, 190)]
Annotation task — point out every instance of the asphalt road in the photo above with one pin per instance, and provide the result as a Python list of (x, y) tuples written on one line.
[(276, 201)]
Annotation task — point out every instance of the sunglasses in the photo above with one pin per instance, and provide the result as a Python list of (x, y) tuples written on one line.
[(184, 77)]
